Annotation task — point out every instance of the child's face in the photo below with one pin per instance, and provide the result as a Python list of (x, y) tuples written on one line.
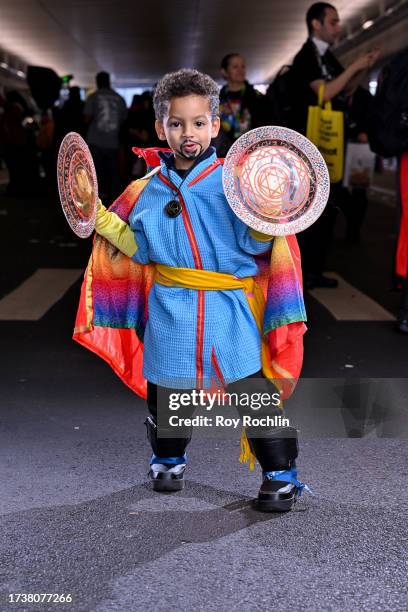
[(188, 128)]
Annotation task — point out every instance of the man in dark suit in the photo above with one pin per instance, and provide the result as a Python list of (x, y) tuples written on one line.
[(313, 66)]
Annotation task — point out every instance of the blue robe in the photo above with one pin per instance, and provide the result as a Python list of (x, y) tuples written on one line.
[(188, 338)]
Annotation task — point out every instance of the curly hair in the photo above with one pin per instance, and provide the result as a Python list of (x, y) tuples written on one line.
[(182, 83)]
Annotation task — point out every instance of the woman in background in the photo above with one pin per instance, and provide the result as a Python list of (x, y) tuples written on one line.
[(242, 107)]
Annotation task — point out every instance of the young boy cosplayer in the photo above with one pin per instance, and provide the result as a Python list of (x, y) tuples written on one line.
[(171, 297)]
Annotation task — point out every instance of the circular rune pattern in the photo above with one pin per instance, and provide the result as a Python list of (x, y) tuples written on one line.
[(77, 184), (276, 180)]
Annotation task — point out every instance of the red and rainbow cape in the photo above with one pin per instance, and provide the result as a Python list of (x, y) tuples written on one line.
[(113, 307)]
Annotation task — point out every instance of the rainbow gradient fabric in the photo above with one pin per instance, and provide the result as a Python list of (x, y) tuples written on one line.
[(113, 311)]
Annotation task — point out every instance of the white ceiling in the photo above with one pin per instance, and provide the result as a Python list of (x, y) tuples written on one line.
[(137, 41)]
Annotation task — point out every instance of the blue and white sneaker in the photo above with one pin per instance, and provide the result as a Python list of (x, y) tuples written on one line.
[(279, 490), (167, 473)]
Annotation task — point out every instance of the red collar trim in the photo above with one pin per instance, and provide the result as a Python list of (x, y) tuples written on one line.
[(152, 159), (166, 181), (206, 172)]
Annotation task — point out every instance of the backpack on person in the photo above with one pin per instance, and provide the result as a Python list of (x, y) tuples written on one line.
[(280, 97), (388, 118)]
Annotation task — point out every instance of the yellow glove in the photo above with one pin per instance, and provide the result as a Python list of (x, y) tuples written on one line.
[(259, 236), (116, 231)]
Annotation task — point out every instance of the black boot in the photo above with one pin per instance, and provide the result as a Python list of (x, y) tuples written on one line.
[(276, 454), (166, 476), (280, 490)]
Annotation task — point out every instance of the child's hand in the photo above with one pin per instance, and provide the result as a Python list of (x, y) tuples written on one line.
[(83, 192)]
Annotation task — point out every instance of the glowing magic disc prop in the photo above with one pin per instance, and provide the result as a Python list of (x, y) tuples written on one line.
[(276, 180), (77, 184)]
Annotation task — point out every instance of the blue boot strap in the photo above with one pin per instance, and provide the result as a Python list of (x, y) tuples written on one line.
[(288, 476), (169, 460)]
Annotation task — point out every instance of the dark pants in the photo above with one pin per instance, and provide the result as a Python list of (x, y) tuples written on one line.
[(274, 447), (108, 172), (403, 314), (22, 166), (354, 208), (316, 240)]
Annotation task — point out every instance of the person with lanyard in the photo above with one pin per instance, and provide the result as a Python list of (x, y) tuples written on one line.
[(242, 107), (171, 296), (313, 66)]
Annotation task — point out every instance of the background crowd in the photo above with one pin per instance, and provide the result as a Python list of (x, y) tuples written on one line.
[(29, 142)]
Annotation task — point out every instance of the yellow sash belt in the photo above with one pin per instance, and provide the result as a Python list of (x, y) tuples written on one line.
[(214, 281)]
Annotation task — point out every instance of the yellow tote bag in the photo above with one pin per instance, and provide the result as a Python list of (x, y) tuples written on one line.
[(325, 128)]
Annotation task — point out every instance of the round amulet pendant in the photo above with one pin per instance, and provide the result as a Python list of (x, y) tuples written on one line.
[(173, 208)]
